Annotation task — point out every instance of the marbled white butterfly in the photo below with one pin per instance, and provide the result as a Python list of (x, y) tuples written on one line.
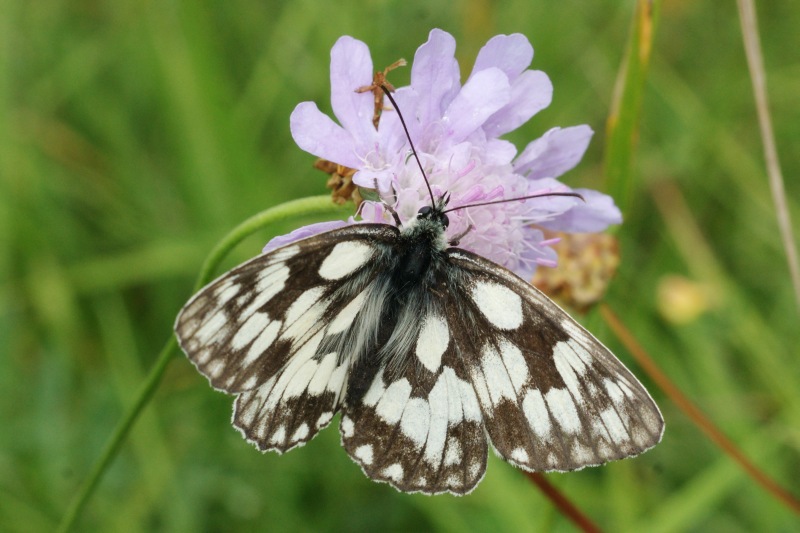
[(429, 351)]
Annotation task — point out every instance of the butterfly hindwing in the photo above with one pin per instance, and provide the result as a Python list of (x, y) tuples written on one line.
[(257, 331), (419, 426), (552, 396)]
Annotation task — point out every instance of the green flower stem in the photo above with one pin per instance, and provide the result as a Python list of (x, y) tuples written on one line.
[(296, 209)]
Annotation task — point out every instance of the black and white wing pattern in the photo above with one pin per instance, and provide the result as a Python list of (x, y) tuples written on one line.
[(430, 353), (257, 331), (495, 361), (552, 396)]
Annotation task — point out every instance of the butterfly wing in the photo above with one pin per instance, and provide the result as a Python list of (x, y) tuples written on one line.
[(493, 359), (551, 395), (259, 331), (419, 426)]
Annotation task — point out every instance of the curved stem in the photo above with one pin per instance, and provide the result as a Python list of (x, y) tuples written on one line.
[(315, 205)]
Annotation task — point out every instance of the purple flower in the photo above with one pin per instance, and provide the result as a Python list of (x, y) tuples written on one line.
[(456, 130)]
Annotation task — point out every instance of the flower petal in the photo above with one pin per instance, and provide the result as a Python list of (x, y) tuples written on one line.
[(482, 96), (351, 68), (595, 214), (302, 233), (554, 153), (379, 180), (531, 92), (510, 53), (499, 152), (435, 75), (317, 134)]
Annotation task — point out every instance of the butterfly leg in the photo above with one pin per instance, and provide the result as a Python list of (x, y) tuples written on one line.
[(388, 207), (455, 240)]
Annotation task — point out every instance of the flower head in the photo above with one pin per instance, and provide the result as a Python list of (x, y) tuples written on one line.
[(456, 130)]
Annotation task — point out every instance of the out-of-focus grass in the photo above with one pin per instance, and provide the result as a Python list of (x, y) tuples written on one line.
[(133, 135)]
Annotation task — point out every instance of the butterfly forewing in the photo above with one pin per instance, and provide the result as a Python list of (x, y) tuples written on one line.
[(552, 396), (258, 331)]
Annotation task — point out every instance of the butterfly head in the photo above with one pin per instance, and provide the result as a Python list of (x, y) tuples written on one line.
[(435, 213)]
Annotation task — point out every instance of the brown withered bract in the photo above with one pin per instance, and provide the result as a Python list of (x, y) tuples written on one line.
[(340, 182), (587, 263), (378, 81), (341, 178)]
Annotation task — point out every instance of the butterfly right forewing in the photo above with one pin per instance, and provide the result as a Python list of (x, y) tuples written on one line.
[(552, 396)]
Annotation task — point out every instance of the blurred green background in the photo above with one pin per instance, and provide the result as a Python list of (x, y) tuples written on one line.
[(134, 135)]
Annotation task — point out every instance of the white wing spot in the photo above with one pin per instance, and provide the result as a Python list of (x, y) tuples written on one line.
[(614, 392), (537, 414), (454, 454), (574, 354), (453, 482), (202, 357), (393, 401), (561, 356), (447, 385), (346, 426), (250, 383), (375, 392), (279, 436), (416, 420), (345, 258), (282, 254), (227, 291), (210, 327), (268, 286), (583, 455), (346, 316), (297, 385), (301, 433), (616, 429), (214, 368), (336, 382), (520, 455), (304, 313), (475, 469), (394, 472), (364, 453), (563, 410), (323, 373), (469, 400), (604, 450), (432, 342), (515, 363), (496, 375), (325, 419), (500, 305), (249, 330), (262, 342), (439, 404)]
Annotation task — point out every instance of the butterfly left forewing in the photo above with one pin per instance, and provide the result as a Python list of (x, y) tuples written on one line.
[(258, 331), (552, 396)]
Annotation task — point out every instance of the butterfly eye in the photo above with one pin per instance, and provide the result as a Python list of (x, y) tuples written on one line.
[(445, 221), (424, 212)]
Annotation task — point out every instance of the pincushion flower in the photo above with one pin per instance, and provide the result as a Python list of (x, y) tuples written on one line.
[(456, 131)]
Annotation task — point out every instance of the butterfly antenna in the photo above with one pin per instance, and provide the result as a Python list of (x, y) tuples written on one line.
[(505, 200), (410, 142)]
